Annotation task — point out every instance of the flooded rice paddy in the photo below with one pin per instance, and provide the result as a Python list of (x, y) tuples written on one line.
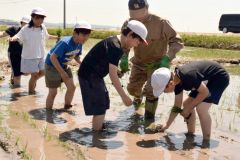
[(60, 134)]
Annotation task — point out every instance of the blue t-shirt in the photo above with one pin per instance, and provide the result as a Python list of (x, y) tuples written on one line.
[(65, 50)]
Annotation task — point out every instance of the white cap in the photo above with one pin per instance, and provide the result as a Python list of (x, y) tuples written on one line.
[(138, 28), (39, 11), (83, 24), (159, 80), (26, 19)]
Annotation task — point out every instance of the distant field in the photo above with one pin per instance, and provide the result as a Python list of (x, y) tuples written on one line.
[(203, 40), (214, 41), (187, 52), (207, 53)]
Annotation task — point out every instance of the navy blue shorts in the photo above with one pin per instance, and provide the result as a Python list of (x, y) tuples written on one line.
[(15, 60), (94, 95), (216, 88)]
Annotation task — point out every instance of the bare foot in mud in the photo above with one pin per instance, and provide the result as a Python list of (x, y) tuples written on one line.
[(68, 106), (32, 92)]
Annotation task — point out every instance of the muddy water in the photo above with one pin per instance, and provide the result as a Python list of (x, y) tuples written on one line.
[(125, 137)]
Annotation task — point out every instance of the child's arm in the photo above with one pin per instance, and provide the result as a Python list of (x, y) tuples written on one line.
[(173, 115), (116, 83), (49, 36), (203, 92), (20, 36), (3, 34), (52, 37), (59, 68), (14, 39)]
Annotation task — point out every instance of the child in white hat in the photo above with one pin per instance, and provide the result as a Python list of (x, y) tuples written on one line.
[(33, 37), (205, 79), (15, 51), (56, 67), (102, 60)]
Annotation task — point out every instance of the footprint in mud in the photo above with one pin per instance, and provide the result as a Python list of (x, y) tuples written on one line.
[(89, 138), (175, 142), (50, 115)]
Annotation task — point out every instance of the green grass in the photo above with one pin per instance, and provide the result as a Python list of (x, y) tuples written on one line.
[(212, 41), (234, 70), (88, 45), (3, 28), (187, 52), (204, 53), (96, 34)]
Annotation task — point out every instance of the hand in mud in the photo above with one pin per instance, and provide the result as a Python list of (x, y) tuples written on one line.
[(163, 128), (127, 100)]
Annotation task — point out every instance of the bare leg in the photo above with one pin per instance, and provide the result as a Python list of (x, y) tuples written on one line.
[(97, 122), (191, 122), (205, 119), (17, 80), (41, 73), (70, 92), (33, 81), (50, 98)]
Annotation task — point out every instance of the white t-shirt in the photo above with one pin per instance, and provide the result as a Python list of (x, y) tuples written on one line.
[(33, 40)]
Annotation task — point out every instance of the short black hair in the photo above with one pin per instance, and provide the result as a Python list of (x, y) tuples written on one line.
[(125, 31), (82, 30)]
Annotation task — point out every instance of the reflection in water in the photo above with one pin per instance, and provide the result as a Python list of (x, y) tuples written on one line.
[(128, 121), (15, 96), (124, 120), (87, 137), (174, 142), (11, 95), (50, 115)]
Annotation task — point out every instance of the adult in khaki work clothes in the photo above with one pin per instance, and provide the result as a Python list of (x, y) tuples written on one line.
[(163, 45)]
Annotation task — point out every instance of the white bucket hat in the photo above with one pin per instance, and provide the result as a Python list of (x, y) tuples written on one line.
[(26, 19), (83, 25), (138, 28), (159, 80), (39, 11)]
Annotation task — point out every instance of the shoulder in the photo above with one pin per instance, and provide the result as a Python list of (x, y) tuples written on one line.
[(66, 39), (159, 20), (64, 42), (113, 43), (10, 28), (44, 27), (25, 28)]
